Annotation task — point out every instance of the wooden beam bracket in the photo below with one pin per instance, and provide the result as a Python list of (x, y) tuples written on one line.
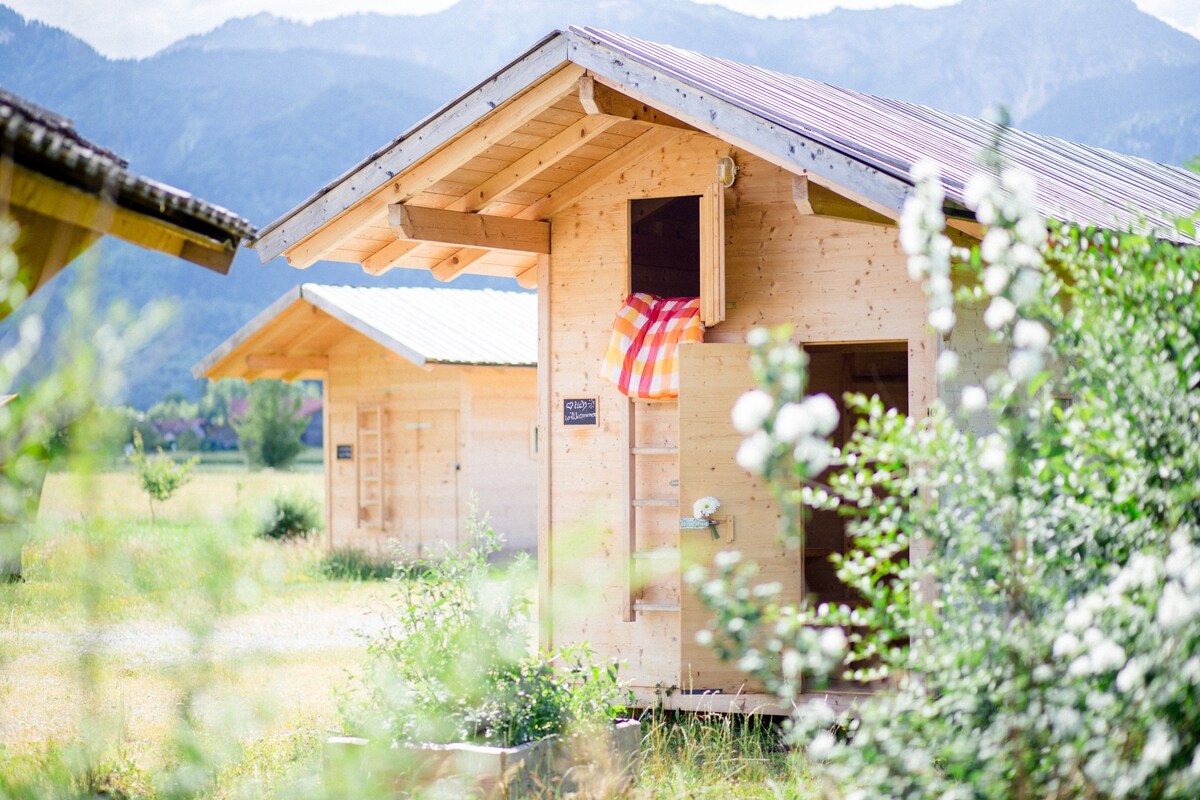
[(418, 223)]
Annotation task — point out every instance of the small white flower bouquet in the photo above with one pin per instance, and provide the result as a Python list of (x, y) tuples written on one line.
[(704, 508)]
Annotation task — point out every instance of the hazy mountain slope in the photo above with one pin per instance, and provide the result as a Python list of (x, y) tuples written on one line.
[(959, 58), (261, 112)]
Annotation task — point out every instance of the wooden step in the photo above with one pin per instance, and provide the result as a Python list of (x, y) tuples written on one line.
[(644, 502), (663, 553), (642, 606)]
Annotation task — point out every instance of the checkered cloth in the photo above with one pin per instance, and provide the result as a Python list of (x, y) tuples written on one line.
[(642, 356)]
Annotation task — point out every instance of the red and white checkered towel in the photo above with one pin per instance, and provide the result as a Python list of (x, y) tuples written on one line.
[(642, 355)]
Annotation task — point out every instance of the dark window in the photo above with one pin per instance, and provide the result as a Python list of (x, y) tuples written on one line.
[(664, 247)]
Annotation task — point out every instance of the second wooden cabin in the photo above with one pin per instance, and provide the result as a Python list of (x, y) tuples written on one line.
[(430, 396), (595, 166)]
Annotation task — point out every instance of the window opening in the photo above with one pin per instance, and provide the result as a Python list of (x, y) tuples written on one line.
[(664, 248)]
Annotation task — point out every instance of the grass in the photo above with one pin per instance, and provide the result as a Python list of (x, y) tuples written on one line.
[(191, 650)]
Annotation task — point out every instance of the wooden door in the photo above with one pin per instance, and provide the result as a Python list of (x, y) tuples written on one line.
[(438, 464), (402, 484), (712, 376)]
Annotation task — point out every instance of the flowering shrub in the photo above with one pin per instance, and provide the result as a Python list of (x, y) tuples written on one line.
[(1047, 644), (453, 662)]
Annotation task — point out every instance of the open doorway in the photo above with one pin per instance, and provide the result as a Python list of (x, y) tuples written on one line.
[(872, 369)]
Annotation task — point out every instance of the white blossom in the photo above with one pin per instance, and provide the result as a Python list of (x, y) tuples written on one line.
[(754, 451), (814, 454), (751, 411), (993, 456), (1030, 334), (705, 507), (824, 413), (1066, 645), (974, 399), (999, 313), (758, 337), (821, 746), (947, 364), (793, 421), (1024, 364), (995, 279), (833, 642), (942, 319)]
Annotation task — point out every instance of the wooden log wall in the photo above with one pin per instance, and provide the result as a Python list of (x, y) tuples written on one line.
[(444, 431), (836, 281)]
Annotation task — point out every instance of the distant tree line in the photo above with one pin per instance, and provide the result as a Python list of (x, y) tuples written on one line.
[(263, 419)]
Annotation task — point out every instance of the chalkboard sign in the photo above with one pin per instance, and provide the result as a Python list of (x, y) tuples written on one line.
[(345, 452), (580, 411)]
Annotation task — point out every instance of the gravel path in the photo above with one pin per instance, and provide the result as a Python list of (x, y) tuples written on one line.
[(289, 630)]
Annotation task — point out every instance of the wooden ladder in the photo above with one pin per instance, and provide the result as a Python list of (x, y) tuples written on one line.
[(637, 557), (370, 464)]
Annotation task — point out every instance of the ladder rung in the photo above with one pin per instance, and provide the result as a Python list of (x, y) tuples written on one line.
[(664, 502), (654, 451), (640, 606), (666, 553)]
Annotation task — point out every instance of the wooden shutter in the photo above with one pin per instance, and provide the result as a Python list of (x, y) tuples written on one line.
[(712, 255)]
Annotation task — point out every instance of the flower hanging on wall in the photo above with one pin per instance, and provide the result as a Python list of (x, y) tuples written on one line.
[(705, 507)]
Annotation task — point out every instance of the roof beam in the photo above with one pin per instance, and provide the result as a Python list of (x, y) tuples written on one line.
[(596, 98), (535, 162), (388, 256), (330, 233), (571, 191), (813, 199), (469, 230), (450, 268), (264, 362)]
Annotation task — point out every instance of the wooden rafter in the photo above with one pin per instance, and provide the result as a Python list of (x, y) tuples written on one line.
[(534, 163), (276, 361), (388, 256), (570, 192), (457, 228), (450, 268), (596, 98), (811, 198), (434, 168)]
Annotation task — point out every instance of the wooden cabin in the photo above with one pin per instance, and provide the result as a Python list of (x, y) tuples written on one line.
[(595, 166), (429, 396), (66, 192)]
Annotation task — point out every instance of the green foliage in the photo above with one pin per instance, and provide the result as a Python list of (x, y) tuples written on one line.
[(1061, 530), (214, 405), (270, 432), (354, 564), (290, 515), (453, 662), (159, 476)]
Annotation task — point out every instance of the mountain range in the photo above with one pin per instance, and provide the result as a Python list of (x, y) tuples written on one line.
[(261, 112)]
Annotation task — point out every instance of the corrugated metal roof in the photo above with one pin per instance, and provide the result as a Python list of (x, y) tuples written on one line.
[(1076, 183), (445, 326), (48, 143)]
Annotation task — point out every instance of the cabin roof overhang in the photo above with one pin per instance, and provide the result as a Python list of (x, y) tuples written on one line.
[(66, 192), (295, 337), (469, 188)]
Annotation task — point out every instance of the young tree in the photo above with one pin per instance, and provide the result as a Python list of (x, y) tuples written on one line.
[(1054, 652), (269, 433), (159, 475)]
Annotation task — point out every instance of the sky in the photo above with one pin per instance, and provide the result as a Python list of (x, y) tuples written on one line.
[(138, 28)]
